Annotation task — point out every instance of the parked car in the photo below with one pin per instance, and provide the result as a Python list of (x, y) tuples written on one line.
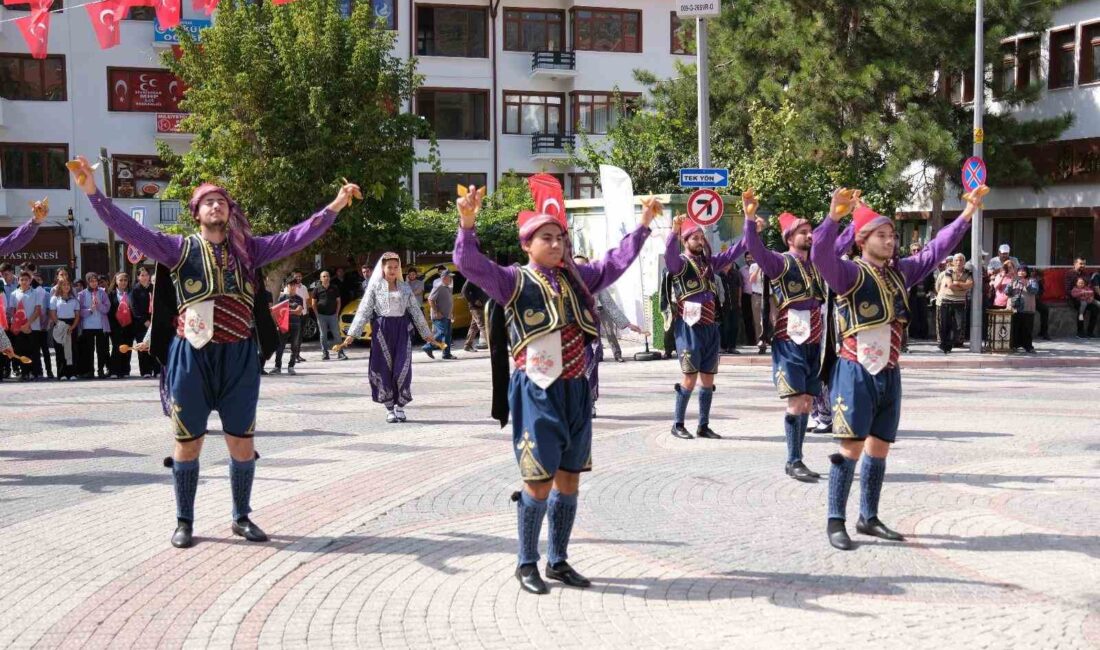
[(429, 273)]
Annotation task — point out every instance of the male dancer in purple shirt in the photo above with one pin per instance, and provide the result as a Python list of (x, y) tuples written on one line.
[(693, 302), (550, 316), (797, 293), (212, 362), (872, 311)]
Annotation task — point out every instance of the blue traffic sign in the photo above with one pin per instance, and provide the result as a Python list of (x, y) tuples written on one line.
[(704, 177), (973, 173)]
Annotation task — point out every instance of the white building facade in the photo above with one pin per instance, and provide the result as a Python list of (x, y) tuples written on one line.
[(1052, 226), (509, 86)]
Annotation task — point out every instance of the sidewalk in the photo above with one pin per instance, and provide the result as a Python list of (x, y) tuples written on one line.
[(1059, 353)]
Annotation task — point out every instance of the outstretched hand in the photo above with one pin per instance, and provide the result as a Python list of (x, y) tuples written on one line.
[(347, 192), (974, 200), (468, 206), (40, 210), (678, 222), (82, 172), (651, 208), (843, 202), (749, 203)]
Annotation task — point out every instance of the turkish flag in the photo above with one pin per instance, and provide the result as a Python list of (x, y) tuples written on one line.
[(19, 318), (123, 314), (105, 17), (205, 6), (548, 195), (168, 12), (281, 313), (36, 31), (281, 2), (3, 312)]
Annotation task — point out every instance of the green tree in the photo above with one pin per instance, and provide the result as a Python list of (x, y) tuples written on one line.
[(285, 101)]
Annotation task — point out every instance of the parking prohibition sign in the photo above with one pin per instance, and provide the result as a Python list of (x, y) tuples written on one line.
[(705, 207), (973, 173)]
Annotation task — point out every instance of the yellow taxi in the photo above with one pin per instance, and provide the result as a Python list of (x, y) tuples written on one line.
[(429, 273)]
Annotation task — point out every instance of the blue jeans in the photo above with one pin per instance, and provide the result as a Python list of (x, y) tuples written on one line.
[(441, 330)]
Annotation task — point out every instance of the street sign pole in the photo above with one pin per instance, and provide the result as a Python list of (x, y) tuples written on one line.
[(976, 315), (703, 78)]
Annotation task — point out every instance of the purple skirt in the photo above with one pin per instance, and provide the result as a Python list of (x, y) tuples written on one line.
[(390, 368)]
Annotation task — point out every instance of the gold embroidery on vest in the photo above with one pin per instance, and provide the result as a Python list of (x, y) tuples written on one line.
[(794, 287), (192, 286), (534, 318), (867, 310)]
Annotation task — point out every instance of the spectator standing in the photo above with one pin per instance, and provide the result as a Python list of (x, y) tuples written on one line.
[(954, 288), (26, 326), (327, 303), (43, 338), (1022, 293), (416, 284), (730, 295), (94, 328), (756, 285), (121, 317), (141, 297), (1085, 298), (747, 325), (441, 300), (364, 278), (918, 302), (8, 283), (293, 336), (303, 294), (1041, 307), (1001, 281), (1090, 310), (476, 299), (64, 323)]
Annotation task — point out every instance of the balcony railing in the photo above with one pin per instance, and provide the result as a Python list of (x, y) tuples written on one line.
[(553, 61), (169, 211), (551, 144)]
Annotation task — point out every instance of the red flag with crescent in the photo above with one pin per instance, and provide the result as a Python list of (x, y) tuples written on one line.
[(36, 31), (106, 17), (548, 195), (19, 318), (3, 312), (169, 12), (205, 6), (281, 313)]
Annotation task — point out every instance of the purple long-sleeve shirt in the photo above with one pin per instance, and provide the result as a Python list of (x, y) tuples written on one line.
[(718, 262), (103, 306), (771, 262), (500, 281), (166, 249), (841, 275), (18, 238)]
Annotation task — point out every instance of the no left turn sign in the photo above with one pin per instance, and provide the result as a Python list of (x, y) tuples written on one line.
[(705, 207)]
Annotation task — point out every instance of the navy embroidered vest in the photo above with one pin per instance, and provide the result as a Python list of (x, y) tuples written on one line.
[(690, 281), (536, 309), (197, 277), (798, 281), (875, 299)]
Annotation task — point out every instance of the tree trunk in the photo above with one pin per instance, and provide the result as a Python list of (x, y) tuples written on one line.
[(939, 189)]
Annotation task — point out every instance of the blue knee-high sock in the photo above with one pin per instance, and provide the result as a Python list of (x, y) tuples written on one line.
[(871, 474), (682, 398), (240, 479), (803, 420), (706, 396), (841, 473), (531, 513), (185, 477), (561, 511), (791, 422)]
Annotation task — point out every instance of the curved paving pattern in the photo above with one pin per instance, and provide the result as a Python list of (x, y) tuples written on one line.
[(403, 535)]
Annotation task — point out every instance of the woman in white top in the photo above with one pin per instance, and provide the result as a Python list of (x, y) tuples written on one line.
[(392, 310), (64, 318)]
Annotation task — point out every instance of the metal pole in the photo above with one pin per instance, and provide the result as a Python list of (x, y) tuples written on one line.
[(976, 315), (703, 76), (112, 254)]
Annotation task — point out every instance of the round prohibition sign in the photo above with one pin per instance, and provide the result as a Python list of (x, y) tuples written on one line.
[(705, 207)]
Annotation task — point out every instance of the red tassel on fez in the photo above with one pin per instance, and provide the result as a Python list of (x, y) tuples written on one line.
[(106, 17), (36, 31)]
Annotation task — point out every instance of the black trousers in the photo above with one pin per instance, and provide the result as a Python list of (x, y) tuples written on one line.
[(918, 319), (294, 337), (27, 345), (93, 352), (748, 329), (1090, 315), (120, 363), (951, 318), (147, 363), (731, 322), (1022, 326), (44, 346)]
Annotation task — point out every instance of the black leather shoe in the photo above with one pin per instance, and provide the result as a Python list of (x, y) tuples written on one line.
[(182, 537), (838, 536), (248, 530), (876, 528), (705, 432), (679, 431), (530, 580), (799, 472), (562, 572)]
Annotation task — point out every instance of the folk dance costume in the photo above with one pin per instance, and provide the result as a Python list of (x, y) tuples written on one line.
[(798, 295), (550, 318), (693, 306), (392, 314), (872, 311), (205, 328), (18, 238)]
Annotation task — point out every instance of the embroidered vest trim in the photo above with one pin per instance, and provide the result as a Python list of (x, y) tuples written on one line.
[(690, 281), (873, 300), (197, 277), (798, 281), (536, 309)]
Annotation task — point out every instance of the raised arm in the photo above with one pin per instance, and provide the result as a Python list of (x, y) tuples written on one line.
[(845, 240), (602, 273), (915, 267), (156, 245), (673, 262), (769, 261), (19, 237), (497, 281), (722, 261), (271, 248), (838, 273)]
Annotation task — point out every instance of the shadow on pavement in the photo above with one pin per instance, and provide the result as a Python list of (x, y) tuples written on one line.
[(65, 454), (1034, 542), (981, 480)]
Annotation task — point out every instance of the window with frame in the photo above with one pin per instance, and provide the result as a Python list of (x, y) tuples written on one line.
[(384, 10), (1028, 62), (607, 30), (56, 5), (455, 114), (526, 113), (1020, 234), (1090, 53), (452, 31), (1004, 73), (22, 77), (1062, 57), (683, 35), (438, 190), (534, 30), (34, 166), (584, 186), (598, 113), (141, 13), (1070, 238), (960, 88)]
